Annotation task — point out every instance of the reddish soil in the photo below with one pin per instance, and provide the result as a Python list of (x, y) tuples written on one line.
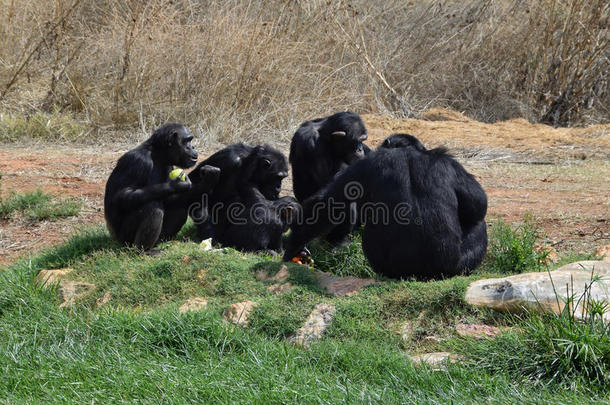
[(559, 176)]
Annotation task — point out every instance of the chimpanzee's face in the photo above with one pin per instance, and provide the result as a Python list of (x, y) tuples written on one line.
[(181, 151), (271, 169), (346, 132)]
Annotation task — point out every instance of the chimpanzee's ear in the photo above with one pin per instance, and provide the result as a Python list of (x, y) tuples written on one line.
[(338, 133), (172, 139)]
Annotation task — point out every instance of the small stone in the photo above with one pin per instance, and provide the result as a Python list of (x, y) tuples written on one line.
[(435, 360), (316, 324), (477, 331), (603, 252), (281, 276), (343, 286), (406, 331), (239, 313), (70, 291), (431, 340), (277, 289), (48, 278), (103, 300), (193, 304)]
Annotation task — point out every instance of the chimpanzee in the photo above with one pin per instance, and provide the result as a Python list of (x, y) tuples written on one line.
[(141, 204), (250, 221), (258, 224), (320, 148), (269, 168), (423, 213), (402, 141)]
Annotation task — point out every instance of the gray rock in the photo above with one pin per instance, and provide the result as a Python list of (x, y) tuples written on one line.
[(316, 324)]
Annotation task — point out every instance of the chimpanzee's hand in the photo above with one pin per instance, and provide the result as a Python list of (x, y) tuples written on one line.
[(209, 175), (180, 186)]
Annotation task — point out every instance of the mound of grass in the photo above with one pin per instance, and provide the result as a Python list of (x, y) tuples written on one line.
[(138, 347), (512, 248), (38, 206)]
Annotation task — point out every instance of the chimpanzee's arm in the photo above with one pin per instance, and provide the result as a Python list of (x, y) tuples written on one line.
[(472, 200), (131, 197), (317, 210)]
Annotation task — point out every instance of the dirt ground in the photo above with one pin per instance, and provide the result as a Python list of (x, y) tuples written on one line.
[(559, 176)]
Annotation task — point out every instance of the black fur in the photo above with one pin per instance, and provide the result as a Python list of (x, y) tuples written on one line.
[(322, 147), (141, 204), (402, 141), (251, 221), (436, 223), (266, 170)]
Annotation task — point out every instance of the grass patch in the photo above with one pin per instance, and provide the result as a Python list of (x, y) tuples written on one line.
[(553, 348), (139, 348), (512, 249), (348, 260), (41, 126), (38, 206)]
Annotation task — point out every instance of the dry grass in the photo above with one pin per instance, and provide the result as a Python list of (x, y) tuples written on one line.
[(253, 70)]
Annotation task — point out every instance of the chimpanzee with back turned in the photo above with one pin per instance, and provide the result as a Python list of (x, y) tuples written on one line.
[(269, 169), (251, 221), (320, 149), (434, 221), (141, 204)]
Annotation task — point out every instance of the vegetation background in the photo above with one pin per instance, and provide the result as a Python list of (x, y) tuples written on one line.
[(250, 69)]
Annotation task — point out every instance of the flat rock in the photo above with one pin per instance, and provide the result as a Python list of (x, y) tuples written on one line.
[(239, 313), (70, 291), (316, 324), (49, 278), (193, 304), (435, 360), (279, 277), (342, 286), (541, 292), (477, 331), (104, 299), (603, 252), (277, 289)]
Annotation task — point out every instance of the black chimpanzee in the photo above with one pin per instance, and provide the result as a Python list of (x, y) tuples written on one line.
[(402, 141), (141, 204), (322, 147), (424, 214), (250, 221), (269, 168)]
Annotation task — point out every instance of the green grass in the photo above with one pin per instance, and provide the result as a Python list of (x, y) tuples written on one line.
[(38, 206), (512, 248), (139, 348), (553, 348)]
